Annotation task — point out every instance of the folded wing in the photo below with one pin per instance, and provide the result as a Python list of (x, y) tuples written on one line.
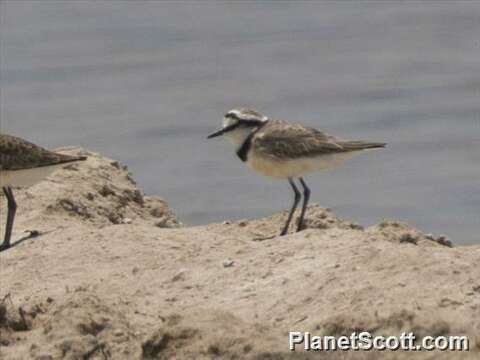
[(287, 141)]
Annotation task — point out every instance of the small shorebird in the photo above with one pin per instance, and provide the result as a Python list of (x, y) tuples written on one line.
[(23, 164), (286, 151)]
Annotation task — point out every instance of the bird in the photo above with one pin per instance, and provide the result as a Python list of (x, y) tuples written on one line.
[(282, 150), (23, 164)]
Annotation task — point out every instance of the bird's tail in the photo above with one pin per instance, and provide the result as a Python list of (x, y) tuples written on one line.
[(361, 145)]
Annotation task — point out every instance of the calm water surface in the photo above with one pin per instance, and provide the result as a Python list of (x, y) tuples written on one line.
[(145, 82)]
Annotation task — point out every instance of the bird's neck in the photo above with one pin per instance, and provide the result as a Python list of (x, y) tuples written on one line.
[(244, 148)]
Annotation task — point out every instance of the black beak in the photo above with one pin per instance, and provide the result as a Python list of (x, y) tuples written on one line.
[(216, 133)]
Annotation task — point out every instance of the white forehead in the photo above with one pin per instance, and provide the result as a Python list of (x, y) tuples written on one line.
[(238, 113), (244, 114), (227, 121)]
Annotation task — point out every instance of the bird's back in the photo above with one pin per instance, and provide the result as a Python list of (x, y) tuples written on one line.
[(19, 154), (284, 141)]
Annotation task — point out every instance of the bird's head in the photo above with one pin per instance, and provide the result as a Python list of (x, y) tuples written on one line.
[(238, 124)]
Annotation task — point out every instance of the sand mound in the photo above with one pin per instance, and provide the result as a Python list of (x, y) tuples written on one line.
[(81, 326), (98, 192), (112, 275)]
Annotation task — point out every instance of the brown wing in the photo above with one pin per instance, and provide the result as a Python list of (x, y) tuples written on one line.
[(16, 154), (281, 140), (286, 141)]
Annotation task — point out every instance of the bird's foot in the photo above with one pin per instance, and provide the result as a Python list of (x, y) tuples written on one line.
[(5, 246), (301, 226)]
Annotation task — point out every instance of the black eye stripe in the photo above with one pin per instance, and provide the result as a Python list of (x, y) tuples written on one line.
[(231, 127), (232, 116), (246, 123)]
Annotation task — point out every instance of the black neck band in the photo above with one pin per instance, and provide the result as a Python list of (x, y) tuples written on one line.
[(247, 144)]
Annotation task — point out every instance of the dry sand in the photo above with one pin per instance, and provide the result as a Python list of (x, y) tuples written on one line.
[(113, 275)]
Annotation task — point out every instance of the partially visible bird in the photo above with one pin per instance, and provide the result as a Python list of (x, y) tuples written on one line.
[(23, 164)]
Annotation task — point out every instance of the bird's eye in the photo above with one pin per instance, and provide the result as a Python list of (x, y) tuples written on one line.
[(229, 121)]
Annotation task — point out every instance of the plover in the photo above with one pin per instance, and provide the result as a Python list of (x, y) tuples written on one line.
[(23, 164), (282, 150)]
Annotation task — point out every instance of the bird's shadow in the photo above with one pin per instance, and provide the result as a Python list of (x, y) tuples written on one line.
[(33, 234)]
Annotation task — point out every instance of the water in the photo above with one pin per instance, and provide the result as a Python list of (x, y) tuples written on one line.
[(145, 82)]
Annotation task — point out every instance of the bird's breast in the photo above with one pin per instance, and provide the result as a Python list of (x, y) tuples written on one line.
[(283, 168), (25, 177)]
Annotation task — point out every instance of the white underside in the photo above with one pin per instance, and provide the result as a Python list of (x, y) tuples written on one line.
[(283, 169), (27, 177)]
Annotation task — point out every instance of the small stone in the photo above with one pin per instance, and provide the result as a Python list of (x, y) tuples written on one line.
[(444, 240), (180, 276), (126, 221), (167, 222), (106, 191), (226, 222), (33, 233), (408, 238), (116, 164), (135, 270), (355, 226), (162, 223), (228, 263)]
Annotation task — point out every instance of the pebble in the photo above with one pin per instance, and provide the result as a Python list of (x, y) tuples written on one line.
[(180, 276), (228, 263), (444, 240), (409, 238)]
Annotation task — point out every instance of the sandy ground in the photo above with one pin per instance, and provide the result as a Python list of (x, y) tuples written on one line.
[(111, 274)]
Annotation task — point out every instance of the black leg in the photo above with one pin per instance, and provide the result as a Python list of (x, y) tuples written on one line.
[(306, 197), (294, 207), (12, 208)]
